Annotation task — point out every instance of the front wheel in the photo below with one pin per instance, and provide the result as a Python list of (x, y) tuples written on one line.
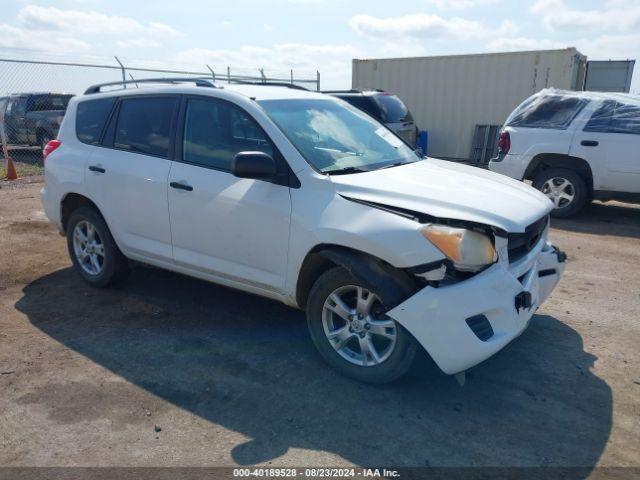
[(565, 188), (350, 329)]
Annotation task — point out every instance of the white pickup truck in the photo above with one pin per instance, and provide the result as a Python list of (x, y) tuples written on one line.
[(574, 146)]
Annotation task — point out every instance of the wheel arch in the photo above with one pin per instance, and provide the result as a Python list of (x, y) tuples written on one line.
[(544, 161), (71, 202), (373, 271)]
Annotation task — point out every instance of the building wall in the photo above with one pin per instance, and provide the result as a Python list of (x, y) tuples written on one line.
[(449, 95)]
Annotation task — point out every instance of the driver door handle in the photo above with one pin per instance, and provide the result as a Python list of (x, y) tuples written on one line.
[(181, 186), (589, 143), (96, 168)]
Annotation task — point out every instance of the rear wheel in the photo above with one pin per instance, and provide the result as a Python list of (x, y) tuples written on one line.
[(94, 253), (349, 326), (565, 188)]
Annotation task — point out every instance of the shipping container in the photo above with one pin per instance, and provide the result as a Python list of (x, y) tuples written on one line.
[(609, 75), (450, 95)]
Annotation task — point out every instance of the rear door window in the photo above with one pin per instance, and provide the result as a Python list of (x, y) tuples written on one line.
[(215, 131), (547, 112), (615, 117), (144, 125), (91, 115)]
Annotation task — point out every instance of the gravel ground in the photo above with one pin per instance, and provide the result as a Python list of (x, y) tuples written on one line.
[(170, 371)]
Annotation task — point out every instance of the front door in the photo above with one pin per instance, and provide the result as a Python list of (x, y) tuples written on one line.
[(235, 229)]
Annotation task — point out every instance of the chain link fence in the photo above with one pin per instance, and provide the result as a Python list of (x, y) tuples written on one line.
[(34, 95)]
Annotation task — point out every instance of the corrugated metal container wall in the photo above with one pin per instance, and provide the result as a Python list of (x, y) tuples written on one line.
[(449, 95)]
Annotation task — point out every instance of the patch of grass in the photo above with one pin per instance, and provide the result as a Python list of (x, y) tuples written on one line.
[(23, 169), (27, 163)]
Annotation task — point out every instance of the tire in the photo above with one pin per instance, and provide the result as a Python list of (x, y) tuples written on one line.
[(574, 187), (112, 265), (396, 356)]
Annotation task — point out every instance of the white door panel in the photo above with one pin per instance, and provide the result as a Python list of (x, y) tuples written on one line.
[(236, 228), (132, 195), (223, 225), (615, 160), (614, 156)]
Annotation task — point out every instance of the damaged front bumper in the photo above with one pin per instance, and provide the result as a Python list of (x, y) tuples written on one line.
[(463, 324)]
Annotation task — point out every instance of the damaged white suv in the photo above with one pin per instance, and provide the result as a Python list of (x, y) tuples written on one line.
[(302, 198)]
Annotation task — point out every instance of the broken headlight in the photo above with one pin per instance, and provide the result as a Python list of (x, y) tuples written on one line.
[(468, 250)]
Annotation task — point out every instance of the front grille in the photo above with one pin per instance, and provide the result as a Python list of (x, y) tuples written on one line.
[(522, 243)]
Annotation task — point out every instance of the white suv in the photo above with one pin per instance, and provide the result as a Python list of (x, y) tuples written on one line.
[(574, 146), (302, 198)]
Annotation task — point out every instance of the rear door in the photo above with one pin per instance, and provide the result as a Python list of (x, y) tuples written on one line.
[(610, 141), (128, 174), (233, 228)]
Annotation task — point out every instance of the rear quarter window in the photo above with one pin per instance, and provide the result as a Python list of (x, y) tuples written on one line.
[(366, 104), (393, 110), (547, 112), (91, 115)]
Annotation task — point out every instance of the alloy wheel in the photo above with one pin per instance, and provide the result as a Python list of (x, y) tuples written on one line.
[(560, 191), (88, 247), (356, 326)]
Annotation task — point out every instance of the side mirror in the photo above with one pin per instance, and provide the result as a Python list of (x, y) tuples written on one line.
[(256, 165)]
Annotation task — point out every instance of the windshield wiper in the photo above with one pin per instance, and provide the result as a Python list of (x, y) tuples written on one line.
[(345, 171), (397, 164)]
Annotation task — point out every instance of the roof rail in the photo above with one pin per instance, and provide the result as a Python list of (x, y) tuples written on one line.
[(353, 90), (270, 84), (199, 81)]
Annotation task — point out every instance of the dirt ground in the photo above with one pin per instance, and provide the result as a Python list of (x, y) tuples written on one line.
[(170, 371)]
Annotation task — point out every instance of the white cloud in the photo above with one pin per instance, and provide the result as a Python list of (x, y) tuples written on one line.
[(421, 26), (461, 4), (514, 44), (268, 27), (417, 25), (227, 24), (18, 38), (138, 43), (620, 15), (37, 18)]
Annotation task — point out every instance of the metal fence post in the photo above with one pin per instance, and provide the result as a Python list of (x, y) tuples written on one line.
[(124, 73), (228, 74), (264, 79), (292, 76), (213, 74), (318, 80)]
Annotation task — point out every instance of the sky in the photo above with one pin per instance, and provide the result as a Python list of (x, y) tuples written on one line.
[(310, 35)]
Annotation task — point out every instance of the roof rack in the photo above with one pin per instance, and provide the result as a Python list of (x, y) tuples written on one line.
[(270, 84), (200, 82)]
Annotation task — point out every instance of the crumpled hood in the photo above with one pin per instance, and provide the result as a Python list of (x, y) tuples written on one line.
[(449, 190)]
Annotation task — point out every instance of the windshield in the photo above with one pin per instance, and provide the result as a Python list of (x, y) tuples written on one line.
[(393, 110), (336, 137)]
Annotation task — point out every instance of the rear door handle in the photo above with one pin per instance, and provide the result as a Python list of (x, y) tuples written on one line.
[(181, 186), (589, 143), (95, 168)]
